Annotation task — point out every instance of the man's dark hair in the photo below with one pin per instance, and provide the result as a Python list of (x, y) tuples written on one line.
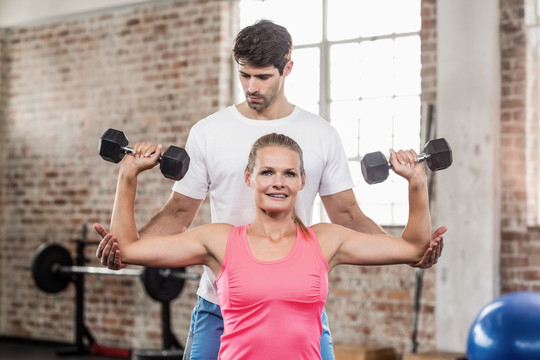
[(263, 44)]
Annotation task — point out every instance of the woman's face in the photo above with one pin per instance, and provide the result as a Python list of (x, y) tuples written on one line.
[(276, 179)]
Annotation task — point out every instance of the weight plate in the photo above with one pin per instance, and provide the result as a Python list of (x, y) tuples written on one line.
[(161, 284), (47, 257)]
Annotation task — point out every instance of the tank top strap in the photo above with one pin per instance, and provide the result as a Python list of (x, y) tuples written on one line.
[(234, 243)]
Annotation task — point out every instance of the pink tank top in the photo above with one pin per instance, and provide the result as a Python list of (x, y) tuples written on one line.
[(272, 309)]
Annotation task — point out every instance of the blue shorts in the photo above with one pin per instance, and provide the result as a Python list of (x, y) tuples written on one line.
[(207, 327)]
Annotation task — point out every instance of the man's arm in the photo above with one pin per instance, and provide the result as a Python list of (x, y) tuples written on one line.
[(342, 209), (174, 217)]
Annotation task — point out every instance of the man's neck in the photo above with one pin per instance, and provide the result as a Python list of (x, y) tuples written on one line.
[(276, 111)]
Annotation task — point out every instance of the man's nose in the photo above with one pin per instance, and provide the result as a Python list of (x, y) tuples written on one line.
[(253, 85)]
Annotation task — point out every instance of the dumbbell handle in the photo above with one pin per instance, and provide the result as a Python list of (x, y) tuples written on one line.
[(421, 158), (129, 150)]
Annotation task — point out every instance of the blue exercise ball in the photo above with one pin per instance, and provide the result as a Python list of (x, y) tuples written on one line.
[(507, 329)]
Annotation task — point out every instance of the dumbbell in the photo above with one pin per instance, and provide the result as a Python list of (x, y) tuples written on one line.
[(112, 147), (437, 155)]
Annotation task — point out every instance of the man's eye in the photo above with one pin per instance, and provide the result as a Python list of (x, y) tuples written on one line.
[(266, 173), (291, 174)]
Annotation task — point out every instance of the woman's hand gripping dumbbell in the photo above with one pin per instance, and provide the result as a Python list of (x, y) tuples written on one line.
[(174, 162), (437, 155)]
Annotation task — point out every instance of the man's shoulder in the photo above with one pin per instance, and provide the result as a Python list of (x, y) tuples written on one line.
[(305, 115), (219, 115), (313, 125)]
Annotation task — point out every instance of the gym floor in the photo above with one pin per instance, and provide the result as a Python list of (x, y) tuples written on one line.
[(15, 349)]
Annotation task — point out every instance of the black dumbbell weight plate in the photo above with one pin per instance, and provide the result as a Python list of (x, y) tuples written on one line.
[(47, 258), (374, 167), (111, 145), (174, 163), (440, 154)]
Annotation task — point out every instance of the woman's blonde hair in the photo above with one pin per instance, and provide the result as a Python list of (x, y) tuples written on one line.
[(283, 141)]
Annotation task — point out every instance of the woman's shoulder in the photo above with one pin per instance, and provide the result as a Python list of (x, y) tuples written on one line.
[(222, 230), (322, 229), (329, 231), (216, 227)]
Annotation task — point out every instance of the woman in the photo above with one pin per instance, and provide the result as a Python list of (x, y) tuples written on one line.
[(272, 274)]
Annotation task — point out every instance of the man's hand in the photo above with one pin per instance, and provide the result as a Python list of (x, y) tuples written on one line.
[(433, 253), (107, 251)]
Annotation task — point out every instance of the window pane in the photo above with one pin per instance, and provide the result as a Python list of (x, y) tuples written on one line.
[(345, 117), (377, 68), (407, 65), (400, 212), (343, 21), (361, 70), (407, 123), (302, 85), (345, 73), (376, 125), (348, 19), (286, 13), (386, 203), (406, 16)]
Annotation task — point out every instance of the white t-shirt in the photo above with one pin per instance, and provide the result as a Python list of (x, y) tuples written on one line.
[(219, 146)]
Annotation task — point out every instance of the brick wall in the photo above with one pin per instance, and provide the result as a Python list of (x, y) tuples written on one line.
[(428, 35), (520, 248), (151, 71)]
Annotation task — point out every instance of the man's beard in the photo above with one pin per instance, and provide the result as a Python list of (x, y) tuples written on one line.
[(261, 105)]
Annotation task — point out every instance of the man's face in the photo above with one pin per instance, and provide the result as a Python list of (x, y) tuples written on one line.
[(261, 86)]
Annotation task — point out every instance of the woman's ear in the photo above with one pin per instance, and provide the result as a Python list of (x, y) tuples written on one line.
[(303, 182), (247, 177)]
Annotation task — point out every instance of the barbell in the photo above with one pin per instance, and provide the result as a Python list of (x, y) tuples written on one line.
[(52, 270)]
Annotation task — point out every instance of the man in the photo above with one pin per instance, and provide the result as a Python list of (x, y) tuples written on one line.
[(217, 146)]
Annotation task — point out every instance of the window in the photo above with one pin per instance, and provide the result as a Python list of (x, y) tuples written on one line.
[(357, 64)]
